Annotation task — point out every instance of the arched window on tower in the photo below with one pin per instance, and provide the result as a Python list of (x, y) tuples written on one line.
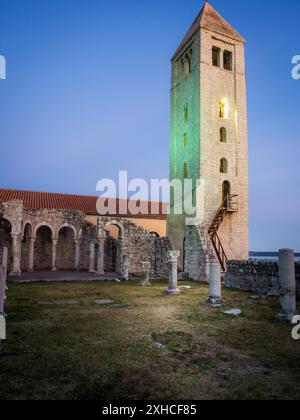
[(224, 166), (223, 135)]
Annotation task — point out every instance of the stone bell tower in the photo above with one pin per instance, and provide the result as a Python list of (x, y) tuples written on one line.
[(209, 142)]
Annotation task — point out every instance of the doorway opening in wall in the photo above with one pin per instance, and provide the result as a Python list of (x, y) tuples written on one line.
[(6, 240), (25, 247), (66, 249), (226, 190), (43, 249), (113, 249)]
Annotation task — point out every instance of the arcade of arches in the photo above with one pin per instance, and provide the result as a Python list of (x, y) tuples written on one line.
[(51, 240)]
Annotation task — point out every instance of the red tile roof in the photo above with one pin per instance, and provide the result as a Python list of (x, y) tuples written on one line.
[(210, 19), (83, 203)]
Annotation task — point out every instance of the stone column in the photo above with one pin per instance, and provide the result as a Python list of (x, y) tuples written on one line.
[(173, 273), (2, 289), (4, 262), (100, 257), (77, 254), (31, 255), (146, 266), (16, 255), (287, 280), (125, 267), (92, 258), (54, 253), (215, 289)]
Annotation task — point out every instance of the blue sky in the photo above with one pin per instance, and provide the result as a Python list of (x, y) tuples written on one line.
[(87, 95)]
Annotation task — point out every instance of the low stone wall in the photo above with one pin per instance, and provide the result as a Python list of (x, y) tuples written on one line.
[(257, 276)]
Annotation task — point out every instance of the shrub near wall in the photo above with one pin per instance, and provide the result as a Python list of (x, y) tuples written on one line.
[(260, 277)]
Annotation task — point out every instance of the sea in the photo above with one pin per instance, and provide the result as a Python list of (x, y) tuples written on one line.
[(268, 256)]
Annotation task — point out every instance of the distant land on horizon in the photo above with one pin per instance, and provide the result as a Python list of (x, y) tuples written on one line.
[(268, 254)]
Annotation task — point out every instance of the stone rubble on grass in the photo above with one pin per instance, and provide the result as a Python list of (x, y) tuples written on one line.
[(185, 287), (156, 344), (159, 346), (104, 301), (233, 312), (59, 302)]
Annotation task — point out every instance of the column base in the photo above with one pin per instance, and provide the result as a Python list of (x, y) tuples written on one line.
[(54, 269), (286, 317), (145, 283), (214, 302), (15, 273), (173, 292)]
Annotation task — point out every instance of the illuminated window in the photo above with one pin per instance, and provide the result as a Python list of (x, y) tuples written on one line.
[(185, 171), (227, 60), (186, 112), (223, 109), (216, 53), (223, 135), (224, 166), (184, 140)]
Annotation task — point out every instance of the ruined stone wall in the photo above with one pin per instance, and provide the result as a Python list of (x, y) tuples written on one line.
[(162, 246), (198, 253), (261, 276), (139, 245)]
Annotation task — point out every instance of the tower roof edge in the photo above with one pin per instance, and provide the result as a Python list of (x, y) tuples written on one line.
[(210, 19)]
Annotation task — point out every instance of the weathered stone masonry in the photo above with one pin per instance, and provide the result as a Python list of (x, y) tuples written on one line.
[(40, 239), (260, 277)]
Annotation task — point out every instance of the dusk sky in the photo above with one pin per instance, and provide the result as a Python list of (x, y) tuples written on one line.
[(87, 95)]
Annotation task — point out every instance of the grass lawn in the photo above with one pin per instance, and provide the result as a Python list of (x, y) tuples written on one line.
[(156, 348)]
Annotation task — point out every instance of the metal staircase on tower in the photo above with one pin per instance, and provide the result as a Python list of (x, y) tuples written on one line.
[(229, 205)]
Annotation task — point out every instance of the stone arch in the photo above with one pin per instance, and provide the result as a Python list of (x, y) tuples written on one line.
[(113, 246), (6, 230), (118, 224), (155, 233), (44, 224), (44, 235), (66, 248), (68, 225), (25, 245), (24, 225)]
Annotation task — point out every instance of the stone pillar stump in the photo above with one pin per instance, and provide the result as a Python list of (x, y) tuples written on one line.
[(287, 280), (173, 273), (146, 266)]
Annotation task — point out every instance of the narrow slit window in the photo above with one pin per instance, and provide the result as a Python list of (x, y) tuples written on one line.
[(184, 140), (223, 135), (186, 112), (185, 171), (224, 166), (182, 72)]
